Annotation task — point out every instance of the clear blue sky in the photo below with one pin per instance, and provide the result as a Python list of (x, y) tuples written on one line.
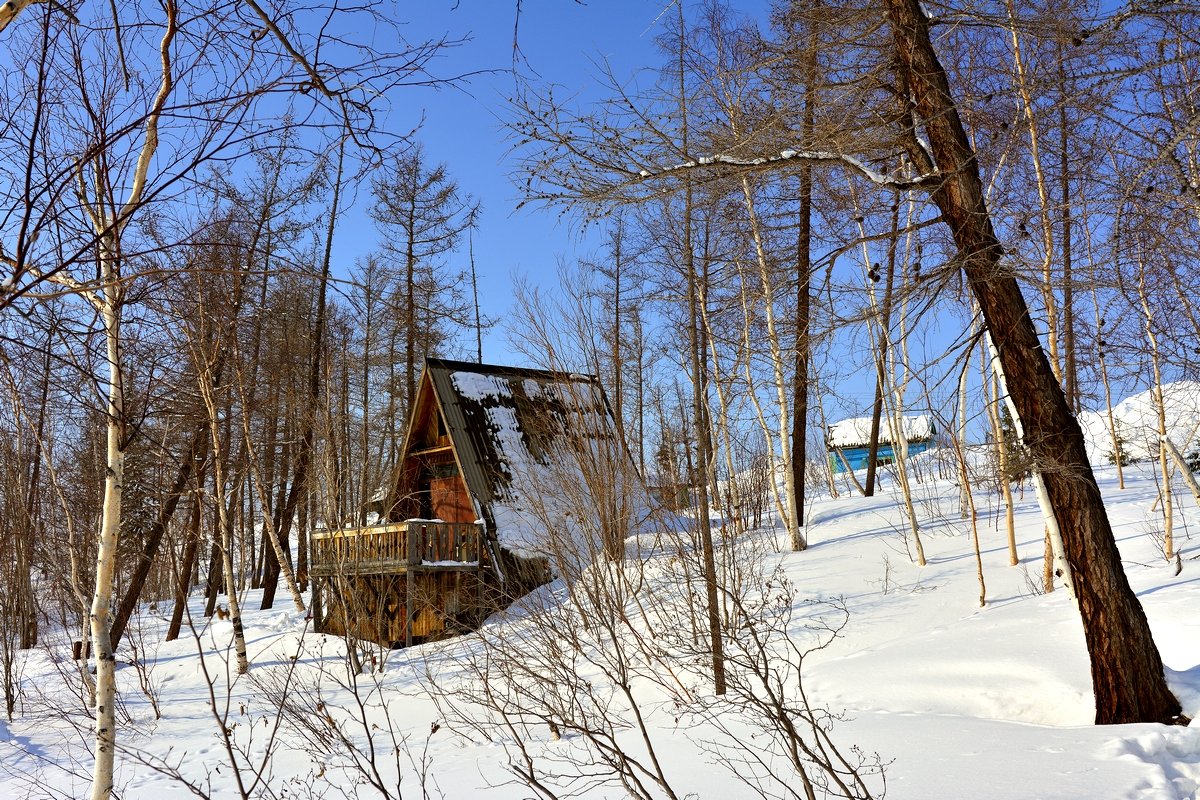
[(560, 40)]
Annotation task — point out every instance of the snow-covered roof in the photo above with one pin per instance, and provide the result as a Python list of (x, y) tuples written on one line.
[(1136, 420), (856, 431), (536, 447)]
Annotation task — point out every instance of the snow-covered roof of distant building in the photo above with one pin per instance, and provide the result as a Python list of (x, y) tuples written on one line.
[(856, 431)]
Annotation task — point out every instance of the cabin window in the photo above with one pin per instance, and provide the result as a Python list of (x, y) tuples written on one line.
[(447, 470)]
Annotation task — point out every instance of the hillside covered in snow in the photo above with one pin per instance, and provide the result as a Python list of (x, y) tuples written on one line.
[(895, 672), (1136, 422)]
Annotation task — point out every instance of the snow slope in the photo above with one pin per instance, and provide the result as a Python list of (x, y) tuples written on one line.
[(1136, 421), (958, 701)]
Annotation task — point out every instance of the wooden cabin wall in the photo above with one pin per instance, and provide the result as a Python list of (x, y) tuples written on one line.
[(450, 500), (373, 607), (408, 504)]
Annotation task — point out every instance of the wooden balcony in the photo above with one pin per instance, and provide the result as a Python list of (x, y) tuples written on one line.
[(398, 547)]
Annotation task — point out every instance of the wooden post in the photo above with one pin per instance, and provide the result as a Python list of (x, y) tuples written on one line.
[(413, 558), (318, 610)]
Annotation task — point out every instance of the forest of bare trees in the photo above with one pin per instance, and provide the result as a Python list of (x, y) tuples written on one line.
[(983, 213)]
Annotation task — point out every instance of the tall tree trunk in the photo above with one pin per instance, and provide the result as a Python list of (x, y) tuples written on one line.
[(1118, 455), (300, 478), (214, 582), (618, 362), (224, 506), (824, 423), (703, 458), (895, 388), (964, 489), (884, 312), (282, 562), (188, 563), (779, 367), (876, 416), (1047, 224), (700, 425), (992, 399), (27, 621), (1070, 367), (804, 268), (1185, 470), (1127, 670), (110, 527), (475, 299), (803, 346), (1167, 494)]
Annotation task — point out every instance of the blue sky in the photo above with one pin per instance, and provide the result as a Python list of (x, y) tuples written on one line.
[(561, 40)]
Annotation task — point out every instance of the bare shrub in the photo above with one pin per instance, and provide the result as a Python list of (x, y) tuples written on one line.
[(582, 680)]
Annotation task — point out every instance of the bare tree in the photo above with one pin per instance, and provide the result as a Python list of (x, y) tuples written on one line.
[(426, 208), (1127, 671), (616, 155)]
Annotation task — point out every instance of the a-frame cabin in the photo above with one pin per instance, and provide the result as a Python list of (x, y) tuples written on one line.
[(459, 541)]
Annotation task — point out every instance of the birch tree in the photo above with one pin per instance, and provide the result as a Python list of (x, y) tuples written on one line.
[(118, 114), (109, 218)]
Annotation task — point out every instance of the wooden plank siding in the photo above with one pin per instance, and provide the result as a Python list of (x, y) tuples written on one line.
[(375, 608)]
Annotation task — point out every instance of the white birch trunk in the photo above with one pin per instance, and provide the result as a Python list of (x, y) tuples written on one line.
[(993, 413), (231, 589), (285, 563), (1163, 465), (964, 489), (107, 299), (722, 422), (224, 524), (1161, 418), (893, 390), (900, 451), (1047, 224), (778, 368), (1184, 469), (972, 512), (1062, 568), (105, 735), (833, 490), (782, 510)]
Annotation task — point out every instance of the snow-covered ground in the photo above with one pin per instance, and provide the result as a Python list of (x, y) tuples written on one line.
[(957, 701)]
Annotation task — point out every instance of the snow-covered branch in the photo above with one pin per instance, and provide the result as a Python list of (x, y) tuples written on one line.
[(890, 181)]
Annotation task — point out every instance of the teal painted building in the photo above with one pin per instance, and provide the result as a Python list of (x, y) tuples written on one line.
[(848, 442)]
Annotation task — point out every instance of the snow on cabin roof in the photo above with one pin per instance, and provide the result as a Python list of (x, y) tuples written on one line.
[(856, 431), (525, 439)]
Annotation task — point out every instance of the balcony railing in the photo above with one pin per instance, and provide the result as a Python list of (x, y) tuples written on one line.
[(396, 547)]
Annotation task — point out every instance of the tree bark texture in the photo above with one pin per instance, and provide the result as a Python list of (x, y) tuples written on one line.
[(183, 577), (804, 271), (1127, 671)]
